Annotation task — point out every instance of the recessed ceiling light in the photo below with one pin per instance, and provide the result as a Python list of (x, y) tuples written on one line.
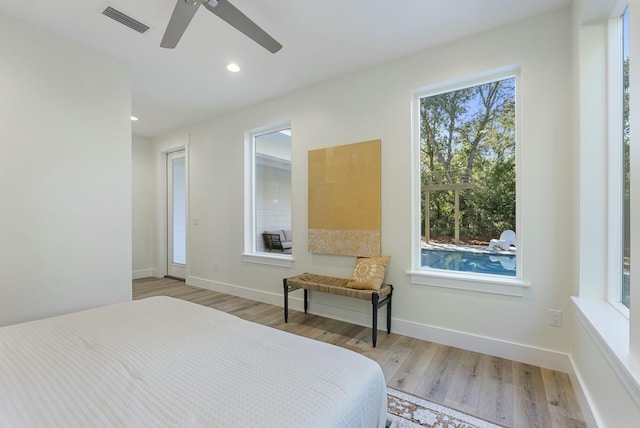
[(134, 118), (233, 67)]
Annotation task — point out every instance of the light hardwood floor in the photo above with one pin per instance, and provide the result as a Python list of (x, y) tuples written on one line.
[(502, 391)]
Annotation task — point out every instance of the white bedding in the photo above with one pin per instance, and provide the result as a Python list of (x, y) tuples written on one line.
[(162, 362)]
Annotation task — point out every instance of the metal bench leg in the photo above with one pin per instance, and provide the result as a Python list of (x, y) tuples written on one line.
[(374, 329), (286, 301), (389, 312), (306, 305)]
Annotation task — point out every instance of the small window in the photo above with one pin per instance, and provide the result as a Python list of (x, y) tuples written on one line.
[(467, 149), (270, 213)]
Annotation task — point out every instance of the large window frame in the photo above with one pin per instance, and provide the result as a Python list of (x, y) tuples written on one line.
[(610, 324), (251, 252), (495, 284)]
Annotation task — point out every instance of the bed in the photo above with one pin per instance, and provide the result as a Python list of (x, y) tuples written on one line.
[(163, 362)]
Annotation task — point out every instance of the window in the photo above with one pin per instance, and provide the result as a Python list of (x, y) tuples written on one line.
[(619, 158), (467, 179), (269, 194), (626, 143)]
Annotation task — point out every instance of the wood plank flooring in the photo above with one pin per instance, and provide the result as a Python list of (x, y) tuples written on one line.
[(505, 392)]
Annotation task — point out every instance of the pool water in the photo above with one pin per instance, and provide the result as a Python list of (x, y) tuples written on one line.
[(487, 263)]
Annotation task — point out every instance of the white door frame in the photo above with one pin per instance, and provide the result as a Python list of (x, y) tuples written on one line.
[(180, 142), (176, 270)]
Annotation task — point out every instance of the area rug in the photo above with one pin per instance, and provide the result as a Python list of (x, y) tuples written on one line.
[(408, 411)]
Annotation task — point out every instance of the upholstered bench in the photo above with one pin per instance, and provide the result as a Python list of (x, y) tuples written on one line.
[(332, 285)]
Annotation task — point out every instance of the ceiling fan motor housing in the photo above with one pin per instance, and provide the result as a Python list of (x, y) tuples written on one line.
[(212, 3)]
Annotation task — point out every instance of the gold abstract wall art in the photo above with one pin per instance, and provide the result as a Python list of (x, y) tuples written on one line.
[(344, 199)]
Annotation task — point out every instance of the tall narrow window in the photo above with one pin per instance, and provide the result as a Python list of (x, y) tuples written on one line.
[(272, 191), (467, 146), (626, 142), (619, 195)]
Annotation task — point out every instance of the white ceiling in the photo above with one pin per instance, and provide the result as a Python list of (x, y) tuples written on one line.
[(321, 39)]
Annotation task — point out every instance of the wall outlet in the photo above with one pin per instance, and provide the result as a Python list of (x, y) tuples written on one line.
[(556, 318)]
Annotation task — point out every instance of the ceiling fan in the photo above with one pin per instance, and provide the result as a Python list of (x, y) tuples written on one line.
[(185, 9)]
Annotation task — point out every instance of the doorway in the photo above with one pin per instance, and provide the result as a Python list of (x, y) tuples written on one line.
[(176, 215)]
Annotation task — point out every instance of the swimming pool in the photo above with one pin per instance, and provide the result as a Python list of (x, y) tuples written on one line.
[(478, 262)]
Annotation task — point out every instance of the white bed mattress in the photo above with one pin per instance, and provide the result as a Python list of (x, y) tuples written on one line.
[(163, 362)]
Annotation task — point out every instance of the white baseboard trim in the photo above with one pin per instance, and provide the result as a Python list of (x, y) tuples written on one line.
[(144, 273), (591, 416), (527, 354), (236, 290)]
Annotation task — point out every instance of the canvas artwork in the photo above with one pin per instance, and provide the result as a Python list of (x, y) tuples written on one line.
[(344, 199)]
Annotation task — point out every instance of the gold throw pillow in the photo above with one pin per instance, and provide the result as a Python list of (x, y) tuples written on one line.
[(368, 273)]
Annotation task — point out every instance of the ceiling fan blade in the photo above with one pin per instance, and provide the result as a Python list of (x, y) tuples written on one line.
[(180, 19), (228, 12)]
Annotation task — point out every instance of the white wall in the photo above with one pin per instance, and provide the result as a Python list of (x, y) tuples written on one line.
[(376, 103), (144, 180), (65, 175)]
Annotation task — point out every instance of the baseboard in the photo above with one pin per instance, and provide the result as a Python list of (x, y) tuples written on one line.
[(587, 406), (144, 273), (236, 290), (527, 354)]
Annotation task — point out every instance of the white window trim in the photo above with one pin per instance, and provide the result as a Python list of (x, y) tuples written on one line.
[(270, 259), (605, 320), (250, 255), (615, 152), (494, 284)]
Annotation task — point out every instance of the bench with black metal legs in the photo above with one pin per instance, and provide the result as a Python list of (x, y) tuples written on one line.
[(327, 284)]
